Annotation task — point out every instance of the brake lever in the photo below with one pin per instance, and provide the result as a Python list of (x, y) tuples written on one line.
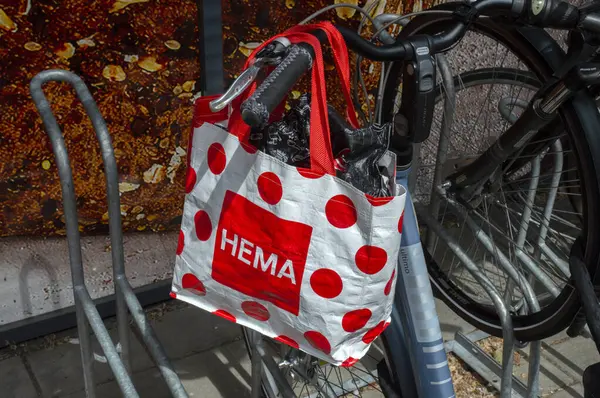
[(243, 81), (270, 55)]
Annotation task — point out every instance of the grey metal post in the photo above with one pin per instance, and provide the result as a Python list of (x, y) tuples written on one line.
[(211, 46)]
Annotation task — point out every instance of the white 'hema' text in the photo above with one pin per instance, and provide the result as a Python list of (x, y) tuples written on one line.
[(241, 248)]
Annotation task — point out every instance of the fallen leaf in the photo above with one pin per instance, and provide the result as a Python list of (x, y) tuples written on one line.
[(376, 7), (127, 187), (155, 174), (247, 48), (32, 46), (345, 12), (172, 44), (6, 23), (66, 51), (119, 5), (188, 86), (87, 42), (114, 73), (149, 64)]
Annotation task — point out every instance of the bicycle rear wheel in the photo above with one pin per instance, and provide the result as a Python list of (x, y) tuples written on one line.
[(511, 80)]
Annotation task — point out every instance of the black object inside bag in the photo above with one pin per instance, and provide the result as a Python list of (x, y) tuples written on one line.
[(358, 152)]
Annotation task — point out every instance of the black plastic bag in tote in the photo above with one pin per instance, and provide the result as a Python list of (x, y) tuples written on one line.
[(359, 152)]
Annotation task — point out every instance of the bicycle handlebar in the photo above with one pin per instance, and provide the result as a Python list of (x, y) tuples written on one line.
[(542, 13)]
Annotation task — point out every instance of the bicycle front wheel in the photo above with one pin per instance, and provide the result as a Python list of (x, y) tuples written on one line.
[(286, 370), (497, 73)]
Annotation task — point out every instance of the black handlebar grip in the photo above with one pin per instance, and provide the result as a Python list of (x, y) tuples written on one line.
[(256, 109), (556, 14)]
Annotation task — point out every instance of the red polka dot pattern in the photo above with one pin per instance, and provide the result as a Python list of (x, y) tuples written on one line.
[(190, 180), (251, 149), (203, 225), (355, 320), (308, 173), (180, 243), (269, 188), (372, 334), (326, 283), (173, 295), (401, 222), (388, 285), (216, 158), (287, 340), (192, 283), (318, 341), (256, 310), (370, 259), (349, 362), (225, 314), (379, 201), (341, 212)]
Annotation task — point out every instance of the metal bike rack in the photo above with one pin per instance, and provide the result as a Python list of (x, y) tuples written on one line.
[(500, 376), (86, 312)]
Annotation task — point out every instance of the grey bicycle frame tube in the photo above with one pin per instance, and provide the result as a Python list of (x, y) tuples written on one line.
[(415, 327)]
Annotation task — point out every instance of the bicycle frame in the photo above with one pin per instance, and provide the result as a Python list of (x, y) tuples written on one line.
[(576, 74)]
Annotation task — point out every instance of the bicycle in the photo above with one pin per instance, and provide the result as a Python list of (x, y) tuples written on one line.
[(411, 358)]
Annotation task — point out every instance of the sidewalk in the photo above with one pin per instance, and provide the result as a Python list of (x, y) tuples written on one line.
[(211, 360)]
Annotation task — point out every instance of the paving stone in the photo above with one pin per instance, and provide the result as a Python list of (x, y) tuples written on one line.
[(14, 379), (575, 391), (190, 330), (138, 356), (220, 372), (552, 377), (573, 356), (59, 369), (451, 323)]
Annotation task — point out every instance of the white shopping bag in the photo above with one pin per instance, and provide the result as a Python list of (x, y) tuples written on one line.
[(298, 255), (308, 261)]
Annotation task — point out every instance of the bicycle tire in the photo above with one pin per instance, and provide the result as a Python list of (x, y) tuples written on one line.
[(580, 118)]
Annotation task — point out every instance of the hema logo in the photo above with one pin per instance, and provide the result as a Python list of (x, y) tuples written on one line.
[(260, 254)]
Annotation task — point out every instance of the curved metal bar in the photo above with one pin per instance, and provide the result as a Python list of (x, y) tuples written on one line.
[(83, 300), (125, 295), (515, 277), (449, 95), (496, 298)]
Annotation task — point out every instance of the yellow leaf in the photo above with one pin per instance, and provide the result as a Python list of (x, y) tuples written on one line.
[(32, 46), (114, 73), (173, 44), (6, 23), (345, 12), (66, 51), (149, 64)]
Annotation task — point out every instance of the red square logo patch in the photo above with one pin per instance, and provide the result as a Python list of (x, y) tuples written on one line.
[(260, 254)]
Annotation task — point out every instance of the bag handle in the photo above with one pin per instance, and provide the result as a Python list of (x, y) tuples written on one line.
[(341, 59), (320, 142)]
